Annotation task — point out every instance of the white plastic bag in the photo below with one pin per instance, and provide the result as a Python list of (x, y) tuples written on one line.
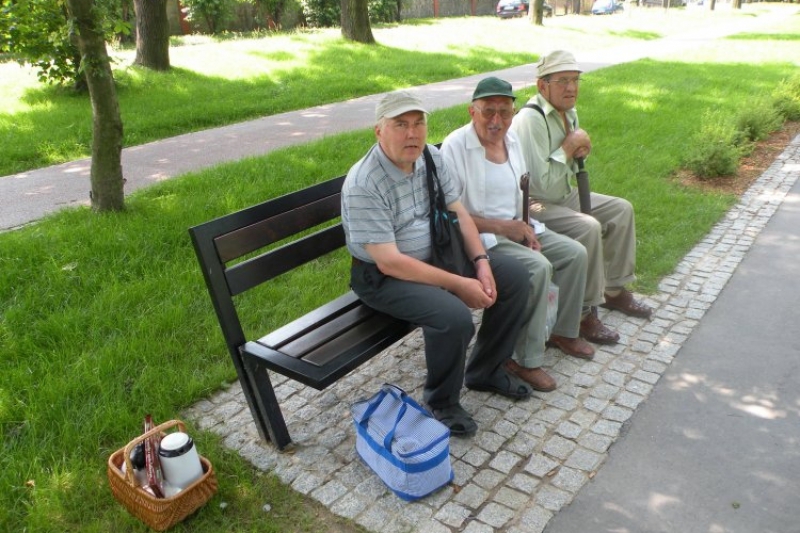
[(552, 309)]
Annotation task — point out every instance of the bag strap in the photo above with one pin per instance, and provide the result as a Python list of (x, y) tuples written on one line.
[(374, 402), (434, 187), (538, 108), (396, 392), (438, 207), (387, 441)]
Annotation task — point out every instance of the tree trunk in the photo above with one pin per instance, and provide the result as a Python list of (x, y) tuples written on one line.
[(536, 12), (355, 21), (737, 4), (106, 171), (152, 34)]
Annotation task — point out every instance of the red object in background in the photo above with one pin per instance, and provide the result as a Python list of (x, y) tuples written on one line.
[(186, 28)]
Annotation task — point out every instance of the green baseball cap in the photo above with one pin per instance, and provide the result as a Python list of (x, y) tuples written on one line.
[(493, 87)]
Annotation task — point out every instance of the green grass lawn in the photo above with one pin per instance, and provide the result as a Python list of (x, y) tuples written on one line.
[(104, 317)]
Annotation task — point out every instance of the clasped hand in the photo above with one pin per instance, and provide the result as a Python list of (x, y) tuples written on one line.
[(479, 292), (577, 144)]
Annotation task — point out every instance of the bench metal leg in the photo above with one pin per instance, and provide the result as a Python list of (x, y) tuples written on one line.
[(269, 420)]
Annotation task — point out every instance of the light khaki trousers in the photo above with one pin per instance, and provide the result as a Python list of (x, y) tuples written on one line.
[(564, 261), (609, 236)]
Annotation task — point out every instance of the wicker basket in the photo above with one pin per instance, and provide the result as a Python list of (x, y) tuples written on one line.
[(158, 513)]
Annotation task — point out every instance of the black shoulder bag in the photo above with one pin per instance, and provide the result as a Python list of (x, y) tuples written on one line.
[(447, 242)]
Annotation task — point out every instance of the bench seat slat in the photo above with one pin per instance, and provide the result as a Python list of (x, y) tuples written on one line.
[(349, 339), (297, 328), (359, 346), (325, 333)]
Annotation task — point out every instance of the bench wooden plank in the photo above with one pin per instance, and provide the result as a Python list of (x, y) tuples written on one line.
[(242, 241), (361, 350), (271, 264), (375, 324), (311, 320), (325, 332)]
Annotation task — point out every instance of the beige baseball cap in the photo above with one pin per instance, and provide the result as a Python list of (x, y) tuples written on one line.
[(396, 103)]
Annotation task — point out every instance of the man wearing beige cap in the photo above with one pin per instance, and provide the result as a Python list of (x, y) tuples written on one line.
[(552, 141), (386, 219), (487, 158)]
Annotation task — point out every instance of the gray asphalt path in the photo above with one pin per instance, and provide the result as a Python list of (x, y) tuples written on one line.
[(716, 447)]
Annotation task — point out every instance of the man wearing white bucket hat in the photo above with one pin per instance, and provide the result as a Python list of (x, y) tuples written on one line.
[(553, 143)]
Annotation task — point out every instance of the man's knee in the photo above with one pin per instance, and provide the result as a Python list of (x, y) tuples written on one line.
[(537, 267), (579, 255), (458, 323), (511, 274)]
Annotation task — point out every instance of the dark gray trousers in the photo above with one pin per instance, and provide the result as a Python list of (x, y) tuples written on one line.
[(447, 325)]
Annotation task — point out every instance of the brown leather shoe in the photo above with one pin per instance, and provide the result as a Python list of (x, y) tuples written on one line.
[(626, 303), (595, 331), (575, 347), (537, 378)]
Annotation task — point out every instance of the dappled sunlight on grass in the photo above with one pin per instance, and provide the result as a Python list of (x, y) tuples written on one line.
[(766, 36), (636, 34)]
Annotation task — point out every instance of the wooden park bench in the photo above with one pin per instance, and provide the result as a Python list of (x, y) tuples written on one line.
[(236, 254)]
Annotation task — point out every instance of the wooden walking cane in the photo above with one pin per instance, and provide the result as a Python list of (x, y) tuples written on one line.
[(582, 178), (524, 184)]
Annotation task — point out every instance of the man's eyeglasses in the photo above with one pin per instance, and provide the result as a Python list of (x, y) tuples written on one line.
[(563, 82), (489, 112)]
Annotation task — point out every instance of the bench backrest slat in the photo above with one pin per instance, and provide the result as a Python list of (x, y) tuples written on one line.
[(273, 263), (242, 241)]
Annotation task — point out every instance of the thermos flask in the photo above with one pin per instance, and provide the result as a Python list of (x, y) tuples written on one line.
[(180, 462)]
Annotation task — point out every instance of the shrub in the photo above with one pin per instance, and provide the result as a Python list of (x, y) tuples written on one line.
[(214, 13), (322, 13), (384, 10), (786, 98), (757, 120), (715, 149)]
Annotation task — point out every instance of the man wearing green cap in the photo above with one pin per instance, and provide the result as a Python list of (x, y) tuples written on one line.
[(487, 158), (552, 142), (386, 220)]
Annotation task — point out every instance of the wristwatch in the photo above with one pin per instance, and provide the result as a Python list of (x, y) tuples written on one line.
[(479, 257)]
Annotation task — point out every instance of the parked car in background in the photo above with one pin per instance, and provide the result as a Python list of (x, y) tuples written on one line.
[(606, 7), (519, 8), (667, 3)]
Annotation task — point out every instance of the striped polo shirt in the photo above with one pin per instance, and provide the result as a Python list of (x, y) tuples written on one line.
[(381, 204)]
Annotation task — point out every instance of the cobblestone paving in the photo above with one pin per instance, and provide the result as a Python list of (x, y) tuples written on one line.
[(529, 458)]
